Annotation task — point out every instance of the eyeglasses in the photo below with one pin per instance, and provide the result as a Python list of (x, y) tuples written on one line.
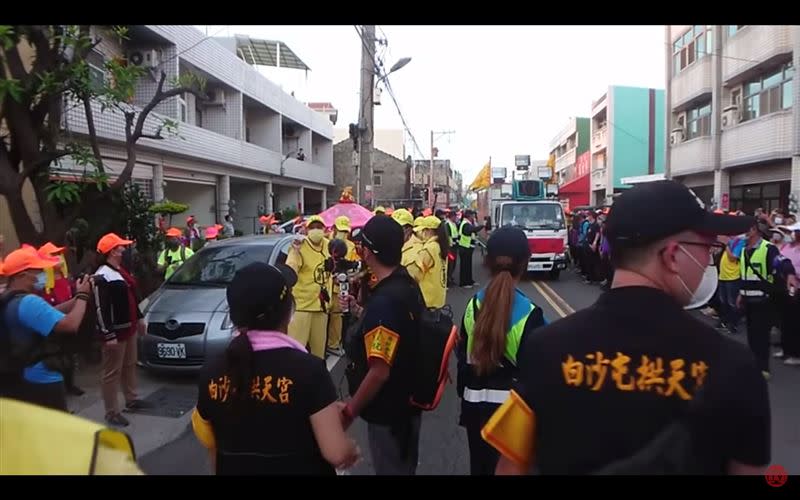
[(713, 247)]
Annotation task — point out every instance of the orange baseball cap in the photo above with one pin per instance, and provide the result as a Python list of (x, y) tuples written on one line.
[(174, 232), (110, 242), (211, 232), (26, 258), (50, 249)]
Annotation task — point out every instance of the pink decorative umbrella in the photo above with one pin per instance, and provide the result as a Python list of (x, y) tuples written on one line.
[(347, 206), (357, 214)]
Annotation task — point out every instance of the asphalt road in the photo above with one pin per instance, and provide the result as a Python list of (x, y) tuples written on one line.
[(443, 444)]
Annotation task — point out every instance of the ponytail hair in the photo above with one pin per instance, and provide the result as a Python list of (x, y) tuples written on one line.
[(443, 238), (491, 327), (239, 366)]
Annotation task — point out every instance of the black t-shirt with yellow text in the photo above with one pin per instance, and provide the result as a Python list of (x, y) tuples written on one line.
[(604, 382), (272, 433)]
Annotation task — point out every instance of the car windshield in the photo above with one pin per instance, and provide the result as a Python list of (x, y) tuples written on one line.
[(216, 265), (532, 216)]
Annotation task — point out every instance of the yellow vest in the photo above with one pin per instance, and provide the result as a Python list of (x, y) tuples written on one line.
[(309, 264), (177, 259), (434, 274), (35, 440), (728, 269)]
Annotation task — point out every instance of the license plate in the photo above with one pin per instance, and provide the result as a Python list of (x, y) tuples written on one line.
[(539, 267), (171, 351)]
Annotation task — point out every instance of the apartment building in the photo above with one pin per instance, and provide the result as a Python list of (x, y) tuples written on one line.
[(448, 184), (627, 139), (570, 148), (734, 113), (237, 152)]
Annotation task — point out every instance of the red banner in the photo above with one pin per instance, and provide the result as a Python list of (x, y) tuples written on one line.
[(583, 165)]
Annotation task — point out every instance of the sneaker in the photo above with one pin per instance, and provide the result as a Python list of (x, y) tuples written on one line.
[(117, 420), (792, 361), (767, 376), (138, 404), (778, 353)]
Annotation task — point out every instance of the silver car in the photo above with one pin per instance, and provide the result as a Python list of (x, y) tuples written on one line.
[(187, 317)]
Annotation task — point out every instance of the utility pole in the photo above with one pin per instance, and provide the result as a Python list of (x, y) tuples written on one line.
[(366, 114), (431, 194)]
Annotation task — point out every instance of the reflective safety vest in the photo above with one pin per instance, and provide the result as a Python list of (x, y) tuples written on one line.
[(465, 241), (452, 232), (177, 258), (752, 285), (495, 387), (29, 434)]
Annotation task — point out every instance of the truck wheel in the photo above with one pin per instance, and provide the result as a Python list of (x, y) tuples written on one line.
[(554, 274)]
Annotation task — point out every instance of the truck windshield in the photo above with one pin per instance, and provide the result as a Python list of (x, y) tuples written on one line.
[(532, 216)]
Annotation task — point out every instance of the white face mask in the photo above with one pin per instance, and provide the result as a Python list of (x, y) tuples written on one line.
[(778, 220), (705, 289)]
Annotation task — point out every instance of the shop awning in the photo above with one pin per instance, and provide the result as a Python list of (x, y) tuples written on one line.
[(576, 186)]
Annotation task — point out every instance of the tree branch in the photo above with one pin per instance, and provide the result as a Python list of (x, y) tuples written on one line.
[(151, 136), (87, 106), (45, 159), (149, 107), (15, 65)]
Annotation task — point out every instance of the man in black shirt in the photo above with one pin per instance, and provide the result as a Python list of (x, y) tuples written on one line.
[(634, 383), (467, 232), (592, 249), (383, 350)]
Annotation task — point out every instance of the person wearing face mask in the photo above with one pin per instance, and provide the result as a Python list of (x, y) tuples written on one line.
[(342, 232), (29, 328), (176, 253), (635, 384), (790, 325), (766, 277), (307, 258), (119, 320), (411, 244)]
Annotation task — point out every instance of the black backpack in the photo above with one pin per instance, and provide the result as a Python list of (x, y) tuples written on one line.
[(16, 354)]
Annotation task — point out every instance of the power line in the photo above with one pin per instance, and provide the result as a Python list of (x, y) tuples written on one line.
[(187, 49)]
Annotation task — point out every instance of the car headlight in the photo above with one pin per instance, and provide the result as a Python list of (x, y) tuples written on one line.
[(227, 324)]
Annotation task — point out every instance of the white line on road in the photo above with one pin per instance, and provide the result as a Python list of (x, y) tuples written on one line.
[(550, 301), (566, 307)]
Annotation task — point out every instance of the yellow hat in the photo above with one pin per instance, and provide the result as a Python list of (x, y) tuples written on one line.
[(314, 218), (379, 210), (429, 222), (403, 217), (342, 223)]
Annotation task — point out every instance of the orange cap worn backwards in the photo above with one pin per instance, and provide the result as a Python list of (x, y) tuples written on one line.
[(211, 232), (174, 232), (26, 258), (110, 242), (50, 249)]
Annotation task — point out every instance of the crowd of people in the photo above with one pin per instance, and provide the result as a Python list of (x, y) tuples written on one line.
[(637, 363)]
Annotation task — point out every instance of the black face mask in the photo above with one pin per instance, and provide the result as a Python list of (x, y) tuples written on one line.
[(172, 245)]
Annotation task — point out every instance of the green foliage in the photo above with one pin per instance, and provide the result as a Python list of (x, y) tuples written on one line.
[(289, 213), (63, 192), (133, 218), (7, 36), (167, 207), (11, 87)]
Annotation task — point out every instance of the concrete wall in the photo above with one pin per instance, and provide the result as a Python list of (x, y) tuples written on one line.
[(321, 150), (394, 172), (201, 199), (248, 197), (285, 197), (264, 127)]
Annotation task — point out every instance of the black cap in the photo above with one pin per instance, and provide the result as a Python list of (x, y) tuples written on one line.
[(508, 242), (384, 237), (654, 210), (439, 213), (260, 289)]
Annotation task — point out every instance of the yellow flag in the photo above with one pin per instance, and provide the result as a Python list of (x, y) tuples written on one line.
[(483, 179)]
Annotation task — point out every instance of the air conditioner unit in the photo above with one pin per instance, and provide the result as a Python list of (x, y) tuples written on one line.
[(677, 136), (730, 116), (216, 97), (144, 58)]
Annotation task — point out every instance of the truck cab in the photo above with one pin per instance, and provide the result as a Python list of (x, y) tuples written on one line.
[(526, 205)]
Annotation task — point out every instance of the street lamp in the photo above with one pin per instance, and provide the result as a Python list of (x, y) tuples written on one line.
[(288, 155), (399, 64)]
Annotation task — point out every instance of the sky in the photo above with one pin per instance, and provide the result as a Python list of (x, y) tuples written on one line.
[(504, 90)]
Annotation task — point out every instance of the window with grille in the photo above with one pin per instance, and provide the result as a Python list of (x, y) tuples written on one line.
[(692, 46), (699, 121), (768, 93), (146, 185)]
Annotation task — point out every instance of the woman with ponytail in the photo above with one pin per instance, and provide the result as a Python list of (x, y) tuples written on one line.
[(267, 406), (495, 321)]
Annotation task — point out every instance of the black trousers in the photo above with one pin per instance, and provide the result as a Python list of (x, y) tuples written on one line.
[(465, 275), (790, 326), (760, 318), (483, 458), (451, 266), (51, 395), (592, 264)]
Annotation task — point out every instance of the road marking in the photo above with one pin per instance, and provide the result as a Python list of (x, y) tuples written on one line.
[(568, 308), (549, 300)]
